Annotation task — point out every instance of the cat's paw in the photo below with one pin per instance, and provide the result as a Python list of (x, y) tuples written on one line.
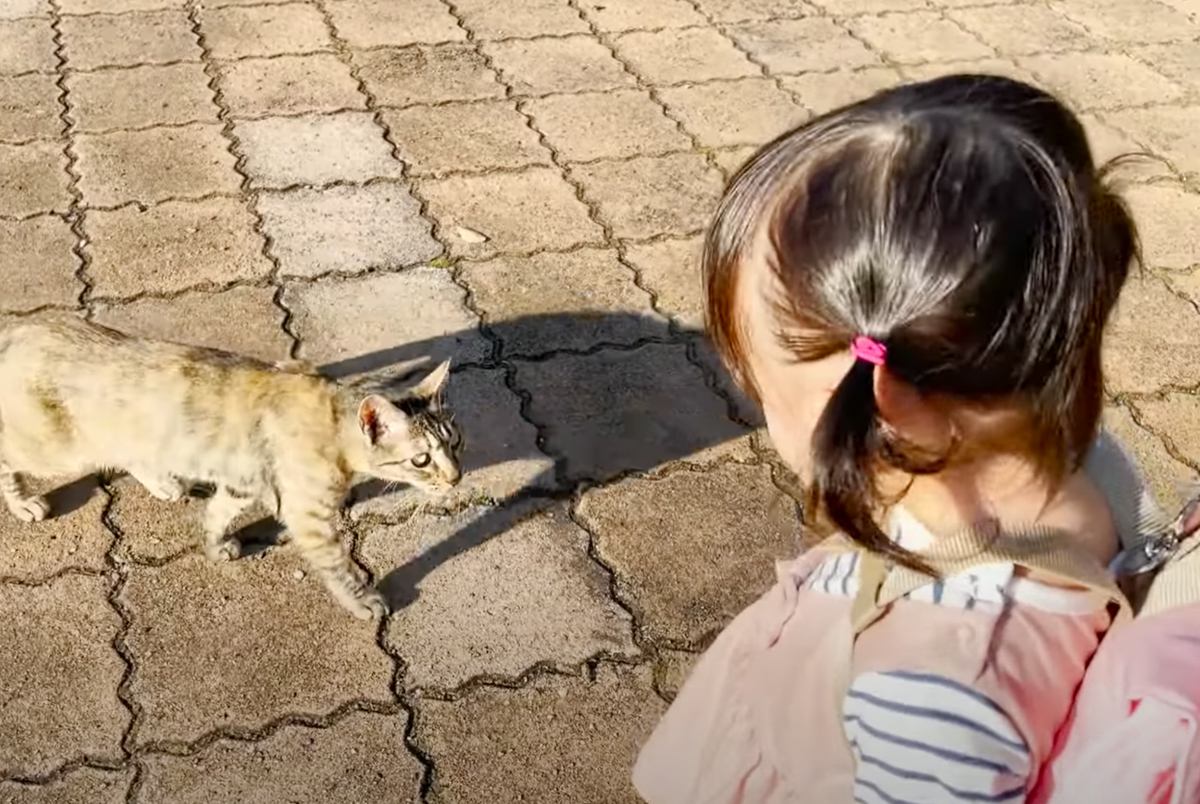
[(30, 509), (167, 489), (365, 604), (224, 550)]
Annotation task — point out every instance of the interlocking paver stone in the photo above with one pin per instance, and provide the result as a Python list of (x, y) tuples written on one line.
[(793, 46), (372, 23), (625, 15), (689, 54), (402, 77), (346, 229), (716, 536), (990, 66), (616, 411), (243, 618), (567, 64), (647, 196), (670, 269), (612, 124), (1173, 419), (117, 6), (1022, 28), (28, 45), (467, 137), (289, 85), (671, 670), (33, 178), (1170, 131), (1166, 215), (59, 650), (820, 92), (1180, 62), (532, 210), (491, 20), (83, 786), (140, 97), (40, 265), (29, 107), (501, 457), (155, 164), (849, 8), (1129, 20), (202, 318), (725, 113), (74, 537), (14, 9), (234, 32), (525, 592), (152, 37), (315, 149), (173, 246), (1166, 475), (360, 758), (357, 323), (730, 159), (561, 301), (918, 37), (1151, 339), (497, 746), (749, 10), (1102, 80)]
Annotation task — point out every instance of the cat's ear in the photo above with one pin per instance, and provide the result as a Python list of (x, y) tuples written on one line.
[(434, 383), (378, 417)]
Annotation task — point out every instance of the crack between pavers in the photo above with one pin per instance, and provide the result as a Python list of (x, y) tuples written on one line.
[(70, 571), (1163, 439)]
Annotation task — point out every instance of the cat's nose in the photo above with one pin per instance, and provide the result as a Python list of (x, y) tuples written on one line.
[(453, 477)]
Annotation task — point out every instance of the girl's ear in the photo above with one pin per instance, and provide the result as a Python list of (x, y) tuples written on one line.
[(914, 417)]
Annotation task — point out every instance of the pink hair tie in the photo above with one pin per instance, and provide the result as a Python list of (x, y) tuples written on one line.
[(869, 350)]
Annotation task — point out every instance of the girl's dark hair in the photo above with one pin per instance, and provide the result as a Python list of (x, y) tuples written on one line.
[(962, 223)]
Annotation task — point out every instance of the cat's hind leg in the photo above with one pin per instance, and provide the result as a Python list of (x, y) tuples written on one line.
[(160, 486), (223, 507), (24, 506)]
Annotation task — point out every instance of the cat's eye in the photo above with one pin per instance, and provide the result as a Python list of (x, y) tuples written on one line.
[(421, 461)]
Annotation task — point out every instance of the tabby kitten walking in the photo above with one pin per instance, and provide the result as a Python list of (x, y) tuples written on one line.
[(76, 397)]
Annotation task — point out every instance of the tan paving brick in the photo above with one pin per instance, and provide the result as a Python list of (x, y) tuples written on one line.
[(821, 92), (155, 164), (561, 301), (173, 246), (24, 8), (1188, 7), (1150, 341), (202, 318), (346, 229), (613, 124), (522, 212), (1180, 62), (750, 111), (75, 536), (1171, 132), (242, 617), (29, 107), (435, 140), (360, 758), (118, 6), (525, 742), (428, 75), (648, 196), (371, 23), (567, 64), (355, 323), (917, 37), (1023, 29), (1173, 419), (997, 66), (1165, 475), (33, 178), (730, 159), (493, 591), (1101, 80), (28, 45), (140, 97), (40, 265), (1166, 215), (58, 651), (147, 38), (700, 569), (491, 20), (671, 670), (235, 32), (849, 8), (501, 457), (315, 149), (690, 54), (670, 269), (1129, 20), (793, 46), (83, 786), (615, 411), (1108, 143), (289, 85), (625, 15), (748, 10)]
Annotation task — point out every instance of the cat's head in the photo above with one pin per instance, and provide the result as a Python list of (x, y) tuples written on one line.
[(412, 438)]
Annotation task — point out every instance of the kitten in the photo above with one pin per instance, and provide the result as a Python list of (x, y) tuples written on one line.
[(76, 397)]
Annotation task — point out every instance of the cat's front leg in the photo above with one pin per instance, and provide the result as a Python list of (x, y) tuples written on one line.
[(314, 535), (161, 486), (24, 506), (223, 507)]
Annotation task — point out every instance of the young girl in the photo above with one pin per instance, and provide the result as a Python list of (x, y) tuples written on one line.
[(914, 287)]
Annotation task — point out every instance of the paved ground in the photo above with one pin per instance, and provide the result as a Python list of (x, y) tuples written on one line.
[(519, 185)]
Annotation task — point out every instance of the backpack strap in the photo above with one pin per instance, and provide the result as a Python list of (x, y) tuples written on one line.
[(1177, 583)]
